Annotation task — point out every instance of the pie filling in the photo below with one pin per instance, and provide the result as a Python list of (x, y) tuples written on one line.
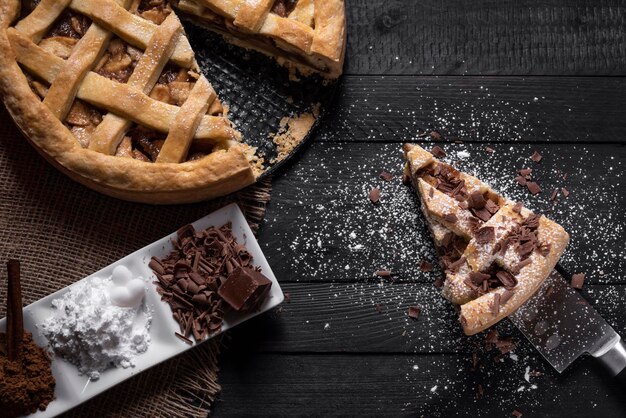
[(118, 63)]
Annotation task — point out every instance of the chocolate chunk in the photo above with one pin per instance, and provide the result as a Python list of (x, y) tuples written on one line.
[(426, 266), (506, 295), (478, 278), (507, 279), (533, 188), (435, 135), (525, 172), (385, 175), (516, 413), (482, 214), (431, 192), (564, 191), (437, 151), (492, 206), (490, 150), (451, 218), (383, 273), (375, 195), (485, 235), (414, 312), (453, 267), (476, 200), (495, 305), (578, 280), (438, 283), (245, 289), (536, 157), (492, 336), (517, 208), (521, 180), (554, 193)]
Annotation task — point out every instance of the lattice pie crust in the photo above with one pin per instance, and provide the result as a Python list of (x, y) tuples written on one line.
[(495, 252), (110, 93)]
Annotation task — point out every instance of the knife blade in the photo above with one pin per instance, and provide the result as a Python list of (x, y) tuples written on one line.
[(562, 326)]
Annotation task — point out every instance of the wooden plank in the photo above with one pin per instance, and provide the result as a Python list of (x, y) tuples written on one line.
[(516, 37), (372, 318), (406, 385), (502, 109), (321, 226)]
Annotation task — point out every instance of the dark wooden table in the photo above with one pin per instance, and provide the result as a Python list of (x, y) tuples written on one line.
[(517, 76)]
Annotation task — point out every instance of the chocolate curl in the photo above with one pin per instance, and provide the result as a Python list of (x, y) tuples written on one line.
[(15, 319)]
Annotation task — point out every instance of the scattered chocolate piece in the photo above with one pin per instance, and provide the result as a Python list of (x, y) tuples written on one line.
[(521, 180), (516, 413), (182, 337), (536, 157), (482, 214), (525, 172), (414, 312), (485, 235), (438, 283), (564, 191), (476, 200), (377, 306), (375, 195), (578, 280), (385, 175), (245, 289), (517, 208), (383, 273), (506, 295), (436, 136), (406, 179), (480, 391), (431, 192), (495, 305), (553, 195), (490, 150), (478, 278), (492, 336), (549, 291), (451, 218), (533, 188), (492, 206), (437, 151), (426, 266)]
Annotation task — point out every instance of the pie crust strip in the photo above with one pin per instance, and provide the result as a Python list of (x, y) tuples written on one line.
[(105, 93), (133, 29), (177, 143), (109, 133), (39, 21)]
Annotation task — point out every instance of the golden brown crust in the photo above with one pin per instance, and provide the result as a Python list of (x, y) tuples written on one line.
[(478, 312), (215, 175)]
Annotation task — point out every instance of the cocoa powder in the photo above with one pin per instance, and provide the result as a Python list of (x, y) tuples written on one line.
[(25, 385)]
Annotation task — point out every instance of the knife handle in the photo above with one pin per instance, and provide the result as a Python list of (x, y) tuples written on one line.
[(615, 361)]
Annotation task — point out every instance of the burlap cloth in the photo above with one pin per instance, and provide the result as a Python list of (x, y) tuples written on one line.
[(62, 232)]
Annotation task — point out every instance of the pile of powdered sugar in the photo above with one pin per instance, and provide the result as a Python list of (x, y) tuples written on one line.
[(91, 332)]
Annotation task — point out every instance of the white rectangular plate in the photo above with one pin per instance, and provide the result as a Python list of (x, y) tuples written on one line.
[(73, 389)]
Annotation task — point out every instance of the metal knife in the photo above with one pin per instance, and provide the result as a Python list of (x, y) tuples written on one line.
[(563, 326)]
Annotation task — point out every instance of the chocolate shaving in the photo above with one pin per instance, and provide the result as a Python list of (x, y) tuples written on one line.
[(375, 195), (485, 235), (564, 191), (438, 283), (554, 193), (451, 218), (385, 175), (437, 151), (182, 337), (189, 277), (490, 150), (495, 305), (414, 312), (536, 157), (516, 413), (426, 266), (525, 172), (506, 295), (383, 273), (478, 278), (578, 280), (517, 208), (482, 214), (507, 279), (476, 200), (521, 180)]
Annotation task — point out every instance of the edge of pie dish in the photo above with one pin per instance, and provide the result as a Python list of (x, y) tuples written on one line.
[(507, 229), (228, 167)]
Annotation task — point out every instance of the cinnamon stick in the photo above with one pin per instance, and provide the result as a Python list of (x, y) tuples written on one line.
[(15, 319)]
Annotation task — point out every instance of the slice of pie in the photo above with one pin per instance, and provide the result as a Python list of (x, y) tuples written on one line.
[(495, 253), (308, 35), (110, 93)]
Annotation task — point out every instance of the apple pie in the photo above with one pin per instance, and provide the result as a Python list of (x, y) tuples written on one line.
[(110, 93), (495, 252)]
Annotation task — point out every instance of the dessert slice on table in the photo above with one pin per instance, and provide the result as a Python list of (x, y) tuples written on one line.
[(495, 253)]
